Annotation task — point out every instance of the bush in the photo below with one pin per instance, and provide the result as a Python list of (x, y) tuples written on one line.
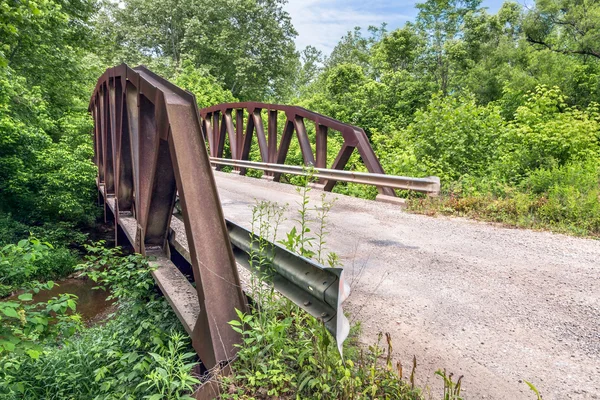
[(546, 133), (11, 231), (117, 360), (204, 86), (44, 175), (141, 353), (451, 138), (569, 196), (31, 259), (26, 326), (564, 199)]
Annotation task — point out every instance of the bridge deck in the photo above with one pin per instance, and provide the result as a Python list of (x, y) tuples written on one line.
[(495, 304)]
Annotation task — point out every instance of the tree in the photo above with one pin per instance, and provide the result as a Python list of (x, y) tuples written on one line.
[(247, 45), (565, 26), (46, 75), (441, 21), (312, 61), (354, 48), (399, 49)]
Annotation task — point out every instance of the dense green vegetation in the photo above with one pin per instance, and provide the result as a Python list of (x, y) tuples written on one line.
[(142, 352), (503, 108)]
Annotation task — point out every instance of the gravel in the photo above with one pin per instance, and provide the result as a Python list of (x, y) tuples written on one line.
[(497, 305)]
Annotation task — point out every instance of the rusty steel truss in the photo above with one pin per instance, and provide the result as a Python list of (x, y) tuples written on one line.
[(149, 149), (218, 124)]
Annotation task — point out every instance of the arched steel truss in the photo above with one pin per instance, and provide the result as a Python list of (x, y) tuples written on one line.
[(218, 125), (148, 147)]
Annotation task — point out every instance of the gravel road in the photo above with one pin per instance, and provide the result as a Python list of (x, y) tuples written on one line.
[(497, 305)]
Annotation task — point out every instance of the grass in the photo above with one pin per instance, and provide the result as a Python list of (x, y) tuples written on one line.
[(519, 211)]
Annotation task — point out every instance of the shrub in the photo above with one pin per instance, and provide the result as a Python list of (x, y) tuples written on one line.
[(546, 133), (26, 326), (569, 195), (141, 353), (564, 199), (452, 137), (204, 86), (46, 173), (110, 361), (31, 259)]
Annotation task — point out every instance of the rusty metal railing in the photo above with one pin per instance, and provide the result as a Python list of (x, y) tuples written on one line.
[(218, 125), (148, 147)]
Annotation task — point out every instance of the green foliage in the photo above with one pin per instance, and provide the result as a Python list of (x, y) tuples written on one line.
[(546, 132), (299, 239), (171, 377), (441, 22), (60, 233), (570, 27), (107, 362), (11, 230), (534, 390), (483, 101), (45, 144), (537, 168), (354, 48), (247, 45), (128, 277), (42, 178), (29, 260), (26, 326), (207, 90), (564, 199), (289, 353), (569, 196), (454, 137), (451, 389), (140, 353)]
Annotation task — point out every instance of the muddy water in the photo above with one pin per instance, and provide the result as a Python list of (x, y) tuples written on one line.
[(91, 305)]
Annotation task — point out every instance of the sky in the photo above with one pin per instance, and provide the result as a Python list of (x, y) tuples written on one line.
[(322, 23)]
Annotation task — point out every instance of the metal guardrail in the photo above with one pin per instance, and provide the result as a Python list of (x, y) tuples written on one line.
[(318, 290), (429, 185)]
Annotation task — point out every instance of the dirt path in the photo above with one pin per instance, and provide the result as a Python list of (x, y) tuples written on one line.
[(494, 304)]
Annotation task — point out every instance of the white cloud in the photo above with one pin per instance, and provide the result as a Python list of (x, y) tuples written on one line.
[(322, 23)]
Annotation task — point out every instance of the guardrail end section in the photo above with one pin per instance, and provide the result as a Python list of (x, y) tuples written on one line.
[(339, 326), (436, 186)]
